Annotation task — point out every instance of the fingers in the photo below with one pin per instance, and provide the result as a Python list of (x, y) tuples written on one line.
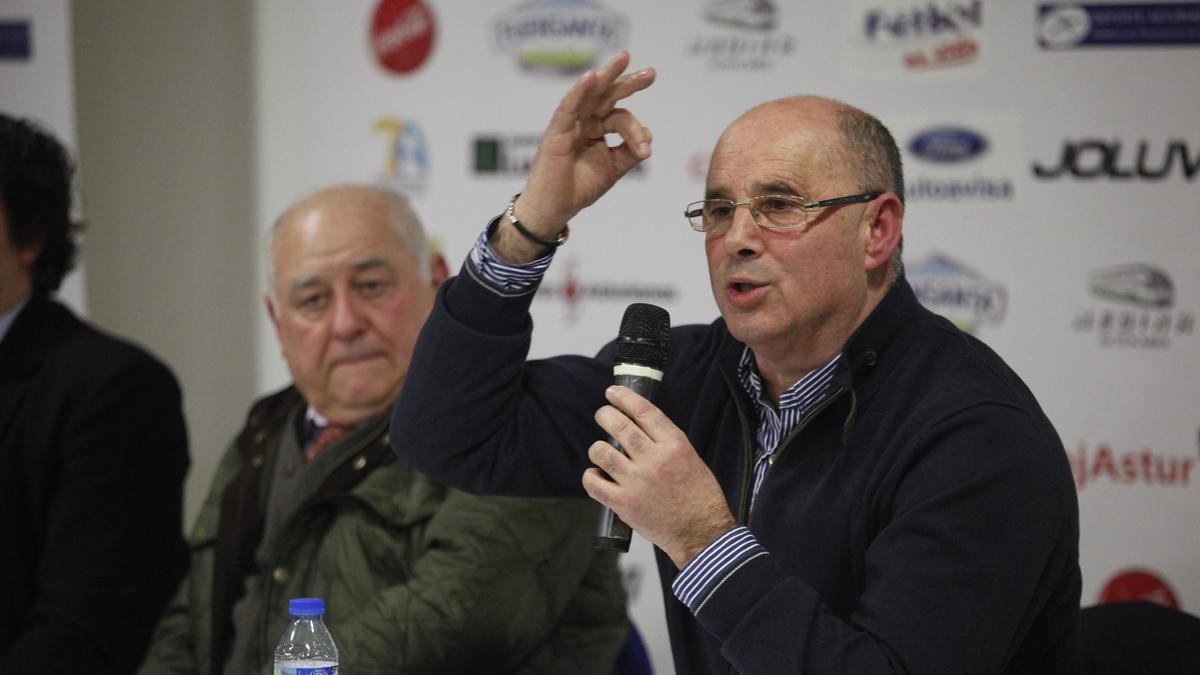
[(596, 93), (622, 429), (600, 488), (570, 107), (625, 86), (636, 137), (645, 415), (610, 459)]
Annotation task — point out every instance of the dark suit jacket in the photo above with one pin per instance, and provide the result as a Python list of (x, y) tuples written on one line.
[(93, 453)]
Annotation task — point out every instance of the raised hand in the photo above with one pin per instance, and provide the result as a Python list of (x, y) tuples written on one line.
[(574, 166)]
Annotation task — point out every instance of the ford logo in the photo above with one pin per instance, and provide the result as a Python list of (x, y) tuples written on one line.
[(948, 145)]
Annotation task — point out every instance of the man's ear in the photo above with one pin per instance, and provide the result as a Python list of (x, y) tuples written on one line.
[(272, 311), (27, 256), (439, 271), (884, 227)]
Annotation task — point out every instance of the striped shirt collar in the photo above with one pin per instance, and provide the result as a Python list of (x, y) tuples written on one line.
[(801, 397)]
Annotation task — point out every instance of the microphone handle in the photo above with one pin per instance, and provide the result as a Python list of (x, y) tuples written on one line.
[(613, 534)]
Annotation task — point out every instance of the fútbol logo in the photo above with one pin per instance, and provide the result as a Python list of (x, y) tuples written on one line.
[(563, 37), (923, 35)]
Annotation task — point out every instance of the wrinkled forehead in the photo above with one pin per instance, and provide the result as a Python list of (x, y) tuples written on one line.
[(343, 240), (772, 147)]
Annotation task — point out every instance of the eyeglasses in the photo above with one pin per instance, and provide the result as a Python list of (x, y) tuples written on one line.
[(778, 212)]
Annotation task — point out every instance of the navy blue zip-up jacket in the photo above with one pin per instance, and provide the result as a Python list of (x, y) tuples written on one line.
[(922, 520)]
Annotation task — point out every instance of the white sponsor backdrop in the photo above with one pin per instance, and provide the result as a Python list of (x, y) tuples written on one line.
[(1087, 282), (40, 86)]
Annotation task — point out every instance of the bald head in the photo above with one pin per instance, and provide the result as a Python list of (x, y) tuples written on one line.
[(350, 202), (855, 139)]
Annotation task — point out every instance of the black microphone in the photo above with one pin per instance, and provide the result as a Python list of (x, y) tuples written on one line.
[(642, 346)]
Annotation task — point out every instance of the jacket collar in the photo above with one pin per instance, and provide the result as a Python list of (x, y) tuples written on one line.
[(872, 349), (876, 346)]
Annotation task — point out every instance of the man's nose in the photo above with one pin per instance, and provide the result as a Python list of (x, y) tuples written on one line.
[(742, 239), (347, 317)]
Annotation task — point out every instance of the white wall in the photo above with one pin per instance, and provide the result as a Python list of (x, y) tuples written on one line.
[(166, 159)]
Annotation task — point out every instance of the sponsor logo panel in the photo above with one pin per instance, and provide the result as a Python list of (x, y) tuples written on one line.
[(576, 289), (16, 40), (962, 295), (561, 37), (1062, 26), (1136, 308), (1138, 584), (946, 159), (744, 36), (512, 154), (914, 36), (1094, 158), (402, 35), (1093, 463), (406, 155)]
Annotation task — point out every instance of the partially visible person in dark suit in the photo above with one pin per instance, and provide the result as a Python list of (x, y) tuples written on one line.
[(93, 448)]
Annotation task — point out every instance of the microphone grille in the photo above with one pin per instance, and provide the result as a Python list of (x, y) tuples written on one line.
[(645, 336)]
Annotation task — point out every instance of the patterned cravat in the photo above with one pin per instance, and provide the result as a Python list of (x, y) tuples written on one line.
[(326, 436)]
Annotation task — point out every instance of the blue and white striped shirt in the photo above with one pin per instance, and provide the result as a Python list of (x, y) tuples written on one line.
[(500, 276)]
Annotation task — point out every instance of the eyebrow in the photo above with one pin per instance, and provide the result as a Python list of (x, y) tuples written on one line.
[(778, 188), (304, 283), (369, 264), (312, 280), (771, 188)]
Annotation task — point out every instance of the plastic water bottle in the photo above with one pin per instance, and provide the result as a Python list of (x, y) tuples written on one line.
[(306, 647)]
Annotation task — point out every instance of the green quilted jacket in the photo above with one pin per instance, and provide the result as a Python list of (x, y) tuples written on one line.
[(417, 577)]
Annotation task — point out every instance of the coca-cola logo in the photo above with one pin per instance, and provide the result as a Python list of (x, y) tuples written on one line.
[(1130, 585), (402, 35)]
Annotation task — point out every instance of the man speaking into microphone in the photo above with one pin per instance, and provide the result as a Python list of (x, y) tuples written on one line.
[(835, 479)]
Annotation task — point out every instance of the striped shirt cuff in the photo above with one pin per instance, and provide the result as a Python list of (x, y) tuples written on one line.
[(500, 276), (700, 577)]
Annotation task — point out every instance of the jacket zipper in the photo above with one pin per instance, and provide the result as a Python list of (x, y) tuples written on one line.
[(748, 454), (783, 445)]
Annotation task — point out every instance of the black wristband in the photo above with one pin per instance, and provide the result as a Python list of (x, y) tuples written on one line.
[(512, 218)]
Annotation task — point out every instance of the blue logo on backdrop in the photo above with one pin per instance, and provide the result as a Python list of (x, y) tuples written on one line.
[(945, 148), (957, 292), (948, 145), (1069, 25), (15, 42)]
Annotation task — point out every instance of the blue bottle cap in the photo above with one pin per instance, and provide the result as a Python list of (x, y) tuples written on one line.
[(306, 606)]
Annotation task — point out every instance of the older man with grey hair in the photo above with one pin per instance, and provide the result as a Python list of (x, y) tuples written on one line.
[(309, 500)]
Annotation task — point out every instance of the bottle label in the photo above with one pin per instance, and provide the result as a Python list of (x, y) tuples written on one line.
[(282, 669)]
